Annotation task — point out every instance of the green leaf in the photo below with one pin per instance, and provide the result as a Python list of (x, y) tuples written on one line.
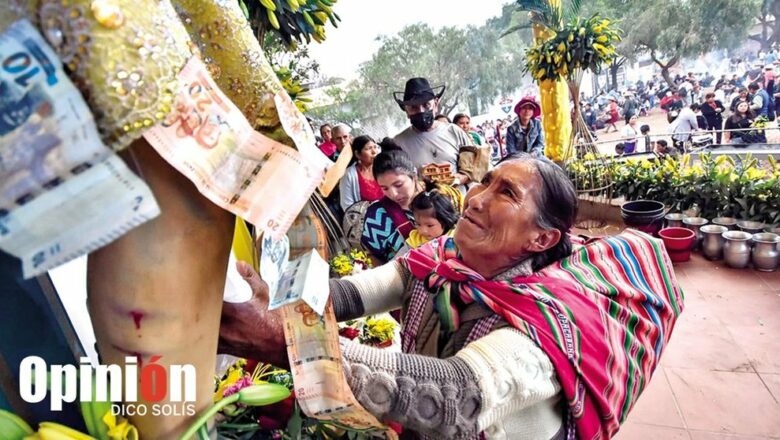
[(295, 424), (244, 9)]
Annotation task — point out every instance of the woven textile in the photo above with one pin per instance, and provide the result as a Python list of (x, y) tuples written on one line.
[(603, 316)]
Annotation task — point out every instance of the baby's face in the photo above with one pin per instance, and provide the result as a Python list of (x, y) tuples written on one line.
[(427, 225)]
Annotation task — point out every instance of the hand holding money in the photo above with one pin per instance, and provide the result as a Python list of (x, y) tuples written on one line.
[(249, 329)]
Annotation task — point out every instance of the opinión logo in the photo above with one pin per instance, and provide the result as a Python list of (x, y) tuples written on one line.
[(121, 385)]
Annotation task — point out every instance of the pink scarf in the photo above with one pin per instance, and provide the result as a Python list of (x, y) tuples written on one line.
[(602, 316)]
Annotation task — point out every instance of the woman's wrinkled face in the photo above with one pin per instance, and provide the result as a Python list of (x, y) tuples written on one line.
[(427, 224), (367, 154), (498, 224), (398, 187)]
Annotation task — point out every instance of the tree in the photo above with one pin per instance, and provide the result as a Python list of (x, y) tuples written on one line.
[(472, 62), (766, 20), (669, 30)]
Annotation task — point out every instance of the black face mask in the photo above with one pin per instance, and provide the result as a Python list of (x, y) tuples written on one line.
[(422, 121)]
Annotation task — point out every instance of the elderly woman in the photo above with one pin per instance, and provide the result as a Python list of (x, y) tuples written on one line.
[(358, 183), (489, 348)]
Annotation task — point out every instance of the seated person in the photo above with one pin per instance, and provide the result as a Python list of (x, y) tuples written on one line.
[(662, 149)]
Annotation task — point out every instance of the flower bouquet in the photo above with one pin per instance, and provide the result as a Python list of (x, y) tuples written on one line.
[(377, 331), (351, 263), (281, 420)]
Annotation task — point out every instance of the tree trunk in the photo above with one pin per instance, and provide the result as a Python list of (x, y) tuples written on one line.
[(774, 10), (665, 67), (765, 43), (667, 77), (613, 71)]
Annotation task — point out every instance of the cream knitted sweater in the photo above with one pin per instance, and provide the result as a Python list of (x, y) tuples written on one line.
[(501, 384)]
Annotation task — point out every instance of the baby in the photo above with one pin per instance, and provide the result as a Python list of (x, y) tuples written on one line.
[(434, 214)]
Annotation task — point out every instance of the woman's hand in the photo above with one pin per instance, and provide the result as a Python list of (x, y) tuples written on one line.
[(249, 330)]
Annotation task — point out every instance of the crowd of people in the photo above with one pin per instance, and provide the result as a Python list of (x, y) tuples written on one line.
[(399, 192), (460, 247), (731, 109)]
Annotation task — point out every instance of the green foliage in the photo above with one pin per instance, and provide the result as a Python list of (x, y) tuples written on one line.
[(294, 21), (582, 44), (720, 186), (474, 64), (670, 30)]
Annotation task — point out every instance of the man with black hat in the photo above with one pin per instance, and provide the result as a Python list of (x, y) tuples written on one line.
[(427, 140)]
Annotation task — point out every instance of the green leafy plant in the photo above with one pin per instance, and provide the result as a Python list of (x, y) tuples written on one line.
[(581, 44), (745, 187)]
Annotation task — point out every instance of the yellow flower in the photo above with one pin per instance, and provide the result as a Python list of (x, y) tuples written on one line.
[(119, 431), (589, 156), (602, 38), (381, 329), (755, 173), (720, 159), (234, 374), (646, 164), (561, 47)]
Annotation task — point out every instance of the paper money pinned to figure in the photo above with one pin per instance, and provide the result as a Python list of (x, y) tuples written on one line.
[(208, 139), (62, 192), (311, 334), (274, 258)]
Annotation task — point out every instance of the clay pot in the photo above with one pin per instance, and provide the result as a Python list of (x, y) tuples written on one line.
[(678, 243)]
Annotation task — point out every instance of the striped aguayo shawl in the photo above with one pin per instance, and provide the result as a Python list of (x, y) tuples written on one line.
[(603, 316)]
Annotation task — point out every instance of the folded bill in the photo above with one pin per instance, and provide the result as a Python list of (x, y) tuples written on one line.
[(208, 139), (321, 388), (62, 192), (311, 335), (274, 257), (301, 279)]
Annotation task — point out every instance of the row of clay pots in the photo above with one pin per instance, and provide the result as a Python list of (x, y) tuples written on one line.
[(721, 240)]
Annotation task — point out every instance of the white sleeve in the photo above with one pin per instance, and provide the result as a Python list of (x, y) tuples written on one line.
[(381, 289), (513, 374)]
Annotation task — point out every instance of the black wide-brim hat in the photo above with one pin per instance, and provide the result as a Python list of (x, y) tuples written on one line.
[(418, 91)]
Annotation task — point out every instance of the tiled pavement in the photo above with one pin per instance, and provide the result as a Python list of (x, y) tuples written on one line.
[(719, 377)]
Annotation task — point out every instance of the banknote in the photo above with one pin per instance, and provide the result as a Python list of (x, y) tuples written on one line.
[(82, 214), (321, 389), (62, 192), (297, 127), (274, 257), (208, 139), (302, 279), (47, 133)]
